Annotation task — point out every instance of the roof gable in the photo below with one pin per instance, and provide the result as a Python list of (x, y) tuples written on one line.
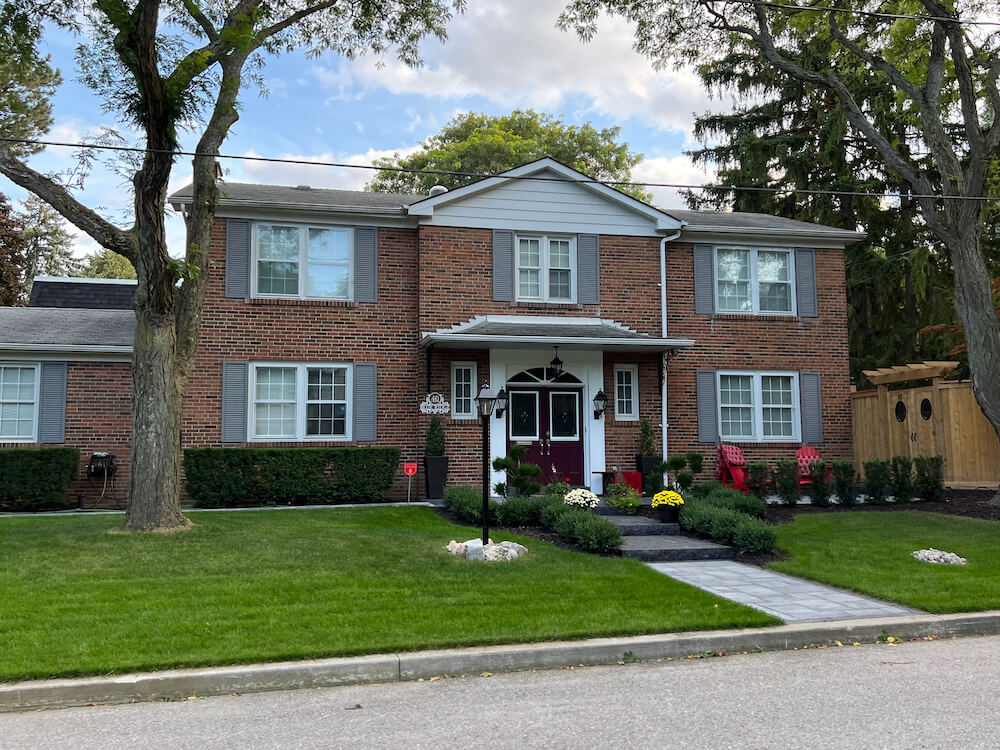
[(558, 198)]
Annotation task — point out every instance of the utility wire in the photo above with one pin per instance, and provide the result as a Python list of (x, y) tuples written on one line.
[(484, 175), (870, 13)]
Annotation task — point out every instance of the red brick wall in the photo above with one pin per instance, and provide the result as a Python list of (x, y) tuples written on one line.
[(621, 438), (99, 419), (759, 343)]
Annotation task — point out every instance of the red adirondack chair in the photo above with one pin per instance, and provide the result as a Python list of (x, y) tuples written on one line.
[(805, 456), (731, 468)]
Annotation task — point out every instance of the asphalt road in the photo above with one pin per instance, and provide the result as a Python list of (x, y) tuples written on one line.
[(937, 694)]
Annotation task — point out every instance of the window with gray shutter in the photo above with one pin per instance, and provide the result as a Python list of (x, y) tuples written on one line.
[(503, 265), (708, 414), (365, 264), (52, 403), (365, 402), (234, 402), (805, 282), (704, 280), (811, 397), (588, 265), (237, 258)]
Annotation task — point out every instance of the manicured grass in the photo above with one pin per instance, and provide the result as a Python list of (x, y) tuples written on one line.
[(871, 553), (261, 586)]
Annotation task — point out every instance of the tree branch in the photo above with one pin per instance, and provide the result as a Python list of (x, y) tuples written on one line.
[(264, 34), (195, 12), (104, 232)]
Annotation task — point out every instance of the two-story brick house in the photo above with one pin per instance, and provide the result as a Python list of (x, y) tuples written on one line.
[(331, 315)]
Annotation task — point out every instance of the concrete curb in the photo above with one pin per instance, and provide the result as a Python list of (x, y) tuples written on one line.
[(183, 683)]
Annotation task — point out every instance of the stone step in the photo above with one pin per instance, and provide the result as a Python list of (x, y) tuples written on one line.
[(642, 526), (667, 548)]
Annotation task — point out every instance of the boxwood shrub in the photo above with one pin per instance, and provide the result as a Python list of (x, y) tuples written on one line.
[(724, 497), (465, 504), (588, 531), (234, 477), (33, 479), (726, 525)]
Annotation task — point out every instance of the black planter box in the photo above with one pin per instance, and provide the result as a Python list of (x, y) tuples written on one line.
[(435, 476), (646, 465)]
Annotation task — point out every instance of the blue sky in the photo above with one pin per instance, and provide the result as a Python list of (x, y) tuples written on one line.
[(499, 56)]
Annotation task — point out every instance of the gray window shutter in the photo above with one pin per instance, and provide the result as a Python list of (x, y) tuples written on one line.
[(704, 280), (708, 415), (365, 264), (805, 282), (234, 401), (238, 258), (52, 403), (503, 265), (811, 398), (588, 266), (365, 402)]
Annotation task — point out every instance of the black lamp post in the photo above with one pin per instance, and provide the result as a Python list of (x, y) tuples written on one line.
[(486, 401)]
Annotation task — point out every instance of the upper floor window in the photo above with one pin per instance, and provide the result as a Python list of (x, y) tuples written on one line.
[(300, 402), (626, 393), (754, 280), (545, 268), (463, 393), (18, 402), (759, 406), (303, 261)]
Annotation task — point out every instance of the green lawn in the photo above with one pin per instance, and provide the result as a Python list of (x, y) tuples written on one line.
[(871, 553), (259, 586)]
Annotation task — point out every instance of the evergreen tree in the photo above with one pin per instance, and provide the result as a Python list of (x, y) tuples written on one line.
[(11, 256)]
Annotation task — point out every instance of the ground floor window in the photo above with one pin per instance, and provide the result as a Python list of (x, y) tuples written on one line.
[(463, 390), (626, 393), (300, 401), (759, 406), (18, 402)]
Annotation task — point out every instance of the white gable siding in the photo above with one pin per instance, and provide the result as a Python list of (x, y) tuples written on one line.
[(528, 205)]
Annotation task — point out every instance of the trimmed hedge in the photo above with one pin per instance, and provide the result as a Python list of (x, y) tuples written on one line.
[(465, 504), (588, 531), (728, 526), (33, 479), (724, 497), (235, 477)]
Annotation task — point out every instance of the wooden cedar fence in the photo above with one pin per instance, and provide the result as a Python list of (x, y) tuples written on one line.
[(938, 419)]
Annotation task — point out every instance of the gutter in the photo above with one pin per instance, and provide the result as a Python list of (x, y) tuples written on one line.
[(663, 332), (67, 348), (549, 341)]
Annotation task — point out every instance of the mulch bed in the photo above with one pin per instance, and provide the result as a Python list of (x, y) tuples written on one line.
[(967, 503)]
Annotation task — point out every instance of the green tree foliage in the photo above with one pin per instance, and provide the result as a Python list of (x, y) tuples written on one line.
[(47, 244), (487, 144), (106, 265), (11, 256)]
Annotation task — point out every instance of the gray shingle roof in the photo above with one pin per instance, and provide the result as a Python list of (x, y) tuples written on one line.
[(82, 293), (66, 326), (575, 330), (746, 220), (231, 193)]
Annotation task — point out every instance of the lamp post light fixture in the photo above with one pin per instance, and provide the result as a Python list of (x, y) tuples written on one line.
[(557, 365), (486, 401), (600, 404)]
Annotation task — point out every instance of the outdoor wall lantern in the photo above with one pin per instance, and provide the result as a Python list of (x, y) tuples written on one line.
[(600, 404), (557, 365), (501, 404), (486, 401)]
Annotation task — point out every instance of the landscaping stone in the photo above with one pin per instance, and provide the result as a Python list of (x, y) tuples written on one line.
[(474, 550), (939, 557)]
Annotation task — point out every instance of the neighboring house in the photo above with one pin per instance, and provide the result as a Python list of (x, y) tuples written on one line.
[(330, 315)]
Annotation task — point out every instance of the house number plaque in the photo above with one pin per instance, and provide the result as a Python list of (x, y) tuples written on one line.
[(434, 404)]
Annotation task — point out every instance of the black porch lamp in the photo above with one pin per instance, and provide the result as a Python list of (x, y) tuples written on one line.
[(600, 404), (557, 365), (486, 401)]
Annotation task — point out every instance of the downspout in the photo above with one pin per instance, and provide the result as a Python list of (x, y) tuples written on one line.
[(663, 334)]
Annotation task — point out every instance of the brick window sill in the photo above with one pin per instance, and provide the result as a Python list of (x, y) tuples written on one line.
[(344, 304), (756, 318)]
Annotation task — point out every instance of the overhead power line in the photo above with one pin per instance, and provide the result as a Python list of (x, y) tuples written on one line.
[(869, 13), (484, 175)]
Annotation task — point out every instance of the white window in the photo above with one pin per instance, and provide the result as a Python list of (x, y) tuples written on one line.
[(300, 401), (759, 406), (626, 393), (18, 402), (754, 280), (463, 390), (545, 268), (306, 262)]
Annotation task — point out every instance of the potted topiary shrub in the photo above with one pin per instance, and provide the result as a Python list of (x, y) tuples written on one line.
[(646, 462), (435, 462)]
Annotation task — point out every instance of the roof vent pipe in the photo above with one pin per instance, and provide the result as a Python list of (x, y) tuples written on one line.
[(437, 190)]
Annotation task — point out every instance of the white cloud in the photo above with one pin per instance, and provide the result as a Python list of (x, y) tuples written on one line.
[(341, 178), (513, 56), (674, 170)]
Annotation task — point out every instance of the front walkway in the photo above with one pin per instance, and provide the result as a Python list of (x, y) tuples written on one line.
[(791, 599)]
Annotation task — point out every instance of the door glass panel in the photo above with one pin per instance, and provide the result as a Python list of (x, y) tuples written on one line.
[(523, 409), (563, 416)]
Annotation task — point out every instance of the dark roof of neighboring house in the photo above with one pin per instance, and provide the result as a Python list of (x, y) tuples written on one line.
[(704, 220), (65, 327), (103, 294), (232, 193)]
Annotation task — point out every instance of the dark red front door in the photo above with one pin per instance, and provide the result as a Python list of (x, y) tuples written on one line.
[(548, 422)]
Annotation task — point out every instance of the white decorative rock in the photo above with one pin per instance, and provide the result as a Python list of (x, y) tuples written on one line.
[(474, 549), (939, 557), (456, 548), (520, 549), (496, 553)]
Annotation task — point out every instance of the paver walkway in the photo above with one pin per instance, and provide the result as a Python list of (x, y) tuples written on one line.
[(791, 599)]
